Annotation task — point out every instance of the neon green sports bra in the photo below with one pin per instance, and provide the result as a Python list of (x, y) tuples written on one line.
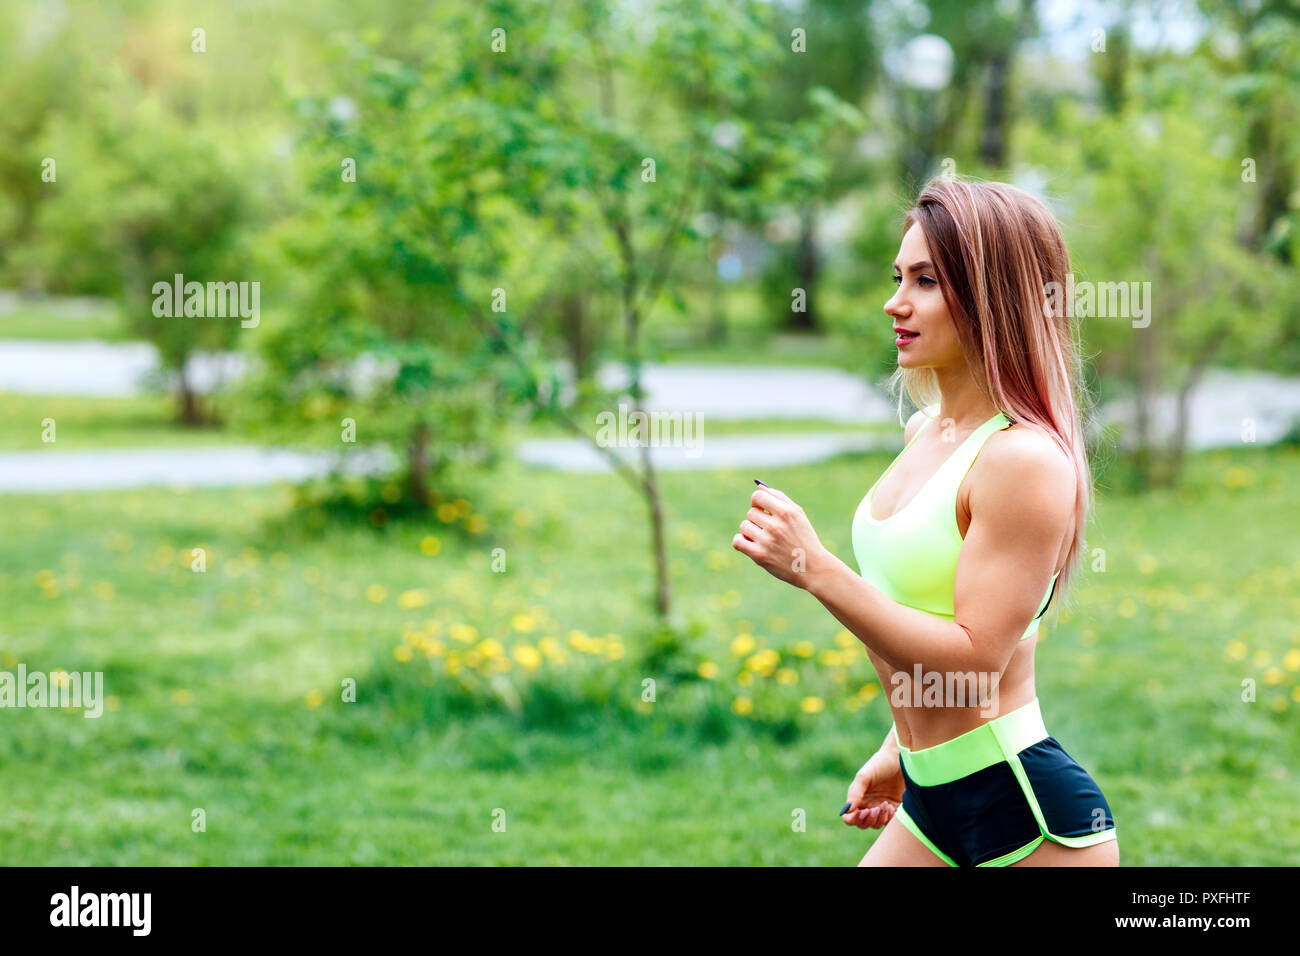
[(911, 556)]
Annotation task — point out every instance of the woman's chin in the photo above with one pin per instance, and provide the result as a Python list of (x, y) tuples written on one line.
[(907, 360)]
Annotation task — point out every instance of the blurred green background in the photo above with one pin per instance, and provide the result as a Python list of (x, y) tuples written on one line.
[(477, 225)]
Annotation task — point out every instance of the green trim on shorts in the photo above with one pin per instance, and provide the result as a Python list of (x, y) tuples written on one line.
[(1001, 739)]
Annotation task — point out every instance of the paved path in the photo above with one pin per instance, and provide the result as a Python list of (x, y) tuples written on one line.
[(220, 465), (1221, 409), (101, 369)]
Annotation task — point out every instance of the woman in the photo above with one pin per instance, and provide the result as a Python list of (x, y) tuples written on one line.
[(962, 543)]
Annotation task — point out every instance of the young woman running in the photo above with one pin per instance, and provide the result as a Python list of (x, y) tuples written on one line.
[(961, 545)]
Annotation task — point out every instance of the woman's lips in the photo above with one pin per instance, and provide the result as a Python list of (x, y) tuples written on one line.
[(904, 338)]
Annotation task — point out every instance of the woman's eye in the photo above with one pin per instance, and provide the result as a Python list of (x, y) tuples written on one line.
[(897, 279), (926, 280)]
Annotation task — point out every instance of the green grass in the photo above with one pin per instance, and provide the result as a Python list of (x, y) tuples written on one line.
[(82, 423), (36, 323), (215, 676), (756, 427), (149, 421)]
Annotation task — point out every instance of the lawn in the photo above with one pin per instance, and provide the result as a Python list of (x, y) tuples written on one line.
[(224, 686)]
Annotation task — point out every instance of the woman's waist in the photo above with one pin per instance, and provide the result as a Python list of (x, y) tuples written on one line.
[(923, 724)]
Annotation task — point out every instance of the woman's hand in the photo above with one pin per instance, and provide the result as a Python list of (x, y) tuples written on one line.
[(777, 535), (876, 792)]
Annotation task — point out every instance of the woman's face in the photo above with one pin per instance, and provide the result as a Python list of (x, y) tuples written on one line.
[(918, 307)]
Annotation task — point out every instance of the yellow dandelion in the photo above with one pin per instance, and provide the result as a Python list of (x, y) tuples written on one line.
[(182, 698), (465, 633), (1273, 675), (844, 637), (430, 545), (742, 706), (523, 517), (1237, 477), (708, 670), (744, 678), (742, 644), (314, 699), (1147, 564), (787, 675), (811, 705), (475, 524), (1236, 650), (868, 692), (523, 622), (418, 597), (1291, 660), (717, 561), (113, 703), (403, 653), (1262, 659), (529, 656), (376, 593), (490, 648), (446, 513), (805, 649), (1127, 608)]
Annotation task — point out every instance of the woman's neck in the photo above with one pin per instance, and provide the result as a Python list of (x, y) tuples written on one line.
[(961, 401)]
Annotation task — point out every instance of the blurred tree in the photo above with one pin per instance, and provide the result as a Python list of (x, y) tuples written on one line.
[(36, 86), (1127, 226), (826, 45), (653, 135), (144, 196), (1261, 67)]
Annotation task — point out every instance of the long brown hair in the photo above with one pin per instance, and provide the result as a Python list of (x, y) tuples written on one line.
[(996, 248)]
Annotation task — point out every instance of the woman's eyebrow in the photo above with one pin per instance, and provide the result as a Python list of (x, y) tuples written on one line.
[(916, 266)]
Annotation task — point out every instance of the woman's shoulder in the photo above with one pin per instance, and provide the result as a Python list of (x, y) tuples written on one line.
[(1028, 456)]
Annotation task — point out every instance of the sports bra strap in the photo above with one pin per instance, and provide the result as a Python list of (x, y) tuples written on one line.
[(961, 461)]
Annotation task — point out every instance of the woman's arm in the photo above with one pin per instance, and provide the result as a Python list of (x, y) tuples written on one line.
[(1021, 508)]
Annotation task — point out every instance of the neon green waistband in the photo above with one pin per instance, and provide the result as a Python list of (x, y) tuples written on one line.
[(976, 749)]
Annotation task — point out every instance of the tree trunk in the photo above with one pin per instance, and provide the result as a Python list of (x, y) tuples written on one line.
[(417, 463), (1148, 385), (576, 339), (993, 143), (1200, 362), (190, 413), (807, 269)]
